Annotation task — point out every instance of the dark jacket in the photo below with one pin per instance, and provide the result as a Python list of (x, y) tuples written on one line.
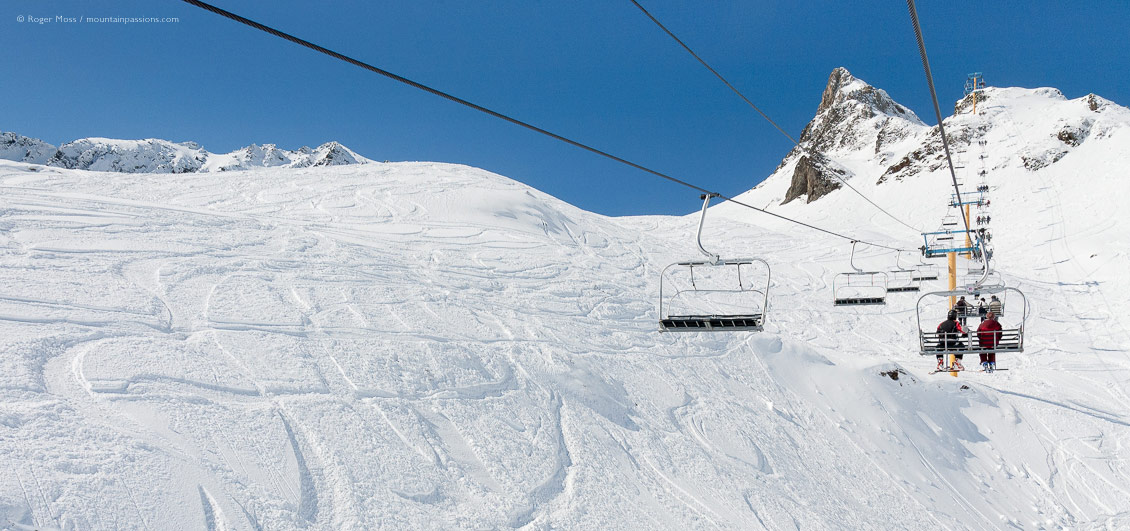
[(962, 307), (948, 333)]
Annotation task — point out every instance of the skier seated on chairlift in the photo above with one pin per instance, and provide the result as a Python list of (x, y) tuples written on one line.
[(982, 309), (995, 306), (988, 336), (949, 333), (962, 308)]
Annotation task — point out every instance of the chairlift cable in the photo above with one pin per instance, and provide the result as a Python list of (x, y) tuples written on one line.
[(766, 116), (937, 110), (496, 114)]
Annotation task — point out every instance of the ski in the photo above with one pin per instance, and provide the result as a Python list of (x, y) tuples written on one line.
[(936, 371)]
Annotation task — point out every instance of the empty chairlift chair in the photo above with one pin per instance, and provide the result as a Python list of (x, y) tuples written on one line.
[(926, 272), (713, 295), (859, 287), (902, 279)]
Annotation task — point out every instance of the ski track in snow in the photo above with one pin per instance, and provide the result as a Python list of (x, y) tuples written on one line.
[(420, 345)]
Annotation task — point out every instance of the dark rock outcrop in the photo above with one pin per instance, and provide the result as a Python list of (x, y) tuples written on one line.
[(1068, 137), (1095, 102), (813, 178), (965, 105)]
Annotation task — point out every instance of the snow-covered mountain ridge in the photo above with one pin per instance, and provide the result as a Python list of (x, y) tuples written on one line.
[(859, 130), (433, 346), (161, 156)]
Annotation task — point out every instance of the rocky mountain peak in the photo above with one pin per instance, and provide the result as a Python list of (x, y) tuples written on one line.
[(844, 88), (334, 154), (839, 77), (852, 112), (852, 117)]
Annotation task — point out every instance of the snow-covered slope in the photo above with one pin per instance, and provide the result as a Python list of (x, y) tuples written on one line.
[(419, 345), (161, 156)]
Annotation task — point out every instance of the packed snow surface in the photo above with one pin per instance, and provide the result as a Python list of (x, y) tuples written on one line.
[(431, 346)]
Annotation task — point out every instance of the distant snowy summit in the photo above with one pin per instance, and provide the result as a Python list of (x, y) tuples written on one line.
[(24, 149), (853, 116), (161, 156), (860, 130)]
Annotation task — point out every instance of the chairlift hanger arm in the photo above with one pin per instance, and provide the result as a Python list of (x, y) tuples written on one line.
[(701, 221), (851, 260)]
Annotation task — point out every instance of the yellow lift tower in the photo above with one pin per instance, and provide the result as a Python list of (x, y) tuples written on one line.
[(974, 83)]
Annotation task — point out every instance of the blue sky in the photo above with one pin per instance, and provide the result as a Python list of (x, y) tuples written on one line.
[(595, 71)]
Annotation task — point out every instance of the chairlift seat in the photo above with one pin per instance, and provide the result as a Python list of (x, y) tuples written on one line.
[(859, 301), (968, 310), (902, 280), (859, 288), (1011, 340), (925, 272), (701, 323)]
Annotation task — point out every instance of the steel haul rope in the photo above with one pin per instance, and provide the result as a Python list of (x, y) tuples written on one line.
[(444, 95)]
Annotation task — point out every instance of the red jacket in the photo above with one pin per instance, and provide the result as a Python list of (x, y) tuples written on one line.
[(989, 333)]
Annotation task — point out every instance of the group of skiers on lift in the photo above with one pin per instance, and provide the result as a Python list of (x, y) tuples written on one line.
[(983, 220), (988, 332)]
